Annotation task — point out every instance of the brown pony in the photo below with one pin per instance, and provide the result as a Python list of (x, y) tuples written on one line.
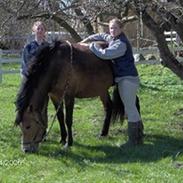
[(63, 71)]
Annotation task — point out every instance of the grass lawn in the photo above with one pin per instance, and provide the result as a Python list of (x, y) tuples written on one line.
[(94, 160)]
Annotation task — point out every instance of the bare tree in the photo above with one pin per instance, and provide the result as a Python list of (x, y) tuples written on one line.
[(86, 15), (72, 15)]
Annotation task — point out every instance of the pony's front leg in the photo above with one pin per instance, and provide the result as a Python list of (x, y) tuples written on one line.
[(107, 103), (44, 112), (69, 105), (60, 117)]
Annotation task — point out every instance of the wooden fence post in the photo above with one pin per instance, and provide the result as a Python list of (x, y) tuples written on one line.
[(1, 71)]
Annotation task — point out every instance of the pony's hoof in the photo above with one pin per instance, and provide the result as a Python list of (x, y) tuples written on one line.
[(101, 136), (103, 133), (63, 142), (45, 139), (66, 147)]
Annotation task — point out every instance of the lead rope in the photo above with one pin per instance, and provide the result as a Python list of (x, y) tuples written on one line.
[(65, 89)]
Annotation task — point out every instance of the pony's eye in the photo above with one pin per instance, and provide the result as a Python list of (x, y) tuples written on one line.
[(37, 122), (27, 127)]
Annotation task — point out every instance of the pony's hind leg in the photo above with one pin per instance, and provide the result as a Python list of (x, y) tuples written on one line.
[(107, 103), (69, 105)]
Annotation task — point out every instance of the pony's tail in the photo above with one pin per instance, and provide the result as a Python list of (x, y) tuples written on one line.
[(118, 110)]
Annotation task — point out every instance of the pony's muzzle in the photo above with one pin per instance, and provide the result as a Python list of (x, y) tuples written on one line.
[(30, 148)]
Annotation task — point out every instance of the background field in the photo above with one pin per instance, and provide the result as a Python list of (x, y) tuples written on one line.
[(94, 160)]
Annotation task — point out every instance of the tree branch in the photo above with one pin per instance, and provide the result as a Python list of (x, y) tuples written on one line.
[(124, 20), (56, 18), (84, 20), (64, 24)]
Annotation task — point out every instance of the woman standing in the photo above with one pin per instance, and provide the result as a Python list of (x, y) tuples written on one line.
[(120, 52), (29, 52), (31, 48)]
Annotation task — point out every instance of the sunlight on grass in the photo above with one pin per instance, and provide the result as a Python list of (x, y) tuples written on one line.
[(92, 159)]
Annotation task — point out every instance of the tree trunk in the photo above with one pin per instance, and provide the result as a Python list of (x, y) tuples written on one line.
[(168, 59)]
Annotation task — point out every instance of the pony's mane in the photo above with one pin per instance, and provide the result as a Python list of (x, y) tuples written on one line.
[(38, 68)]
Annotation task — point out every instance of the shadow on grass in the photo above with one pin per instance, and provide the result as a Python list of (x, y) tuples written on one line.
[(154, 88), (155, 148)]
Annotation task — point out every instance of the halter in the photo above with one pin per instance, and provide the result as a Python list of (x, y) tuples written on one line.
[(34, 141)]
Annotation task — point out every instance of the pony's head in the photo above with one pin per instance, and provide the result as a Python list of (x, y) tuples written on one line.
[(33, 126)]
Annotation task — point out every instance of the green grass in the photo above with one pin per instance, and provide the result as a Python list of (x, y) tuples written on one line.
[(94, 160)]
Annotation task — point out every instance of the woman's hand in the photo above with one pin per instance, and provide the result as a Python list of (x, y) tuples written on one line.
[(84, 44)]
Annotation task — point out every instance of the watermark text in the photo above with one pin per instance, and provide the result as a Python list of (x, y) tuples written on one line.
[(11, 162)]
